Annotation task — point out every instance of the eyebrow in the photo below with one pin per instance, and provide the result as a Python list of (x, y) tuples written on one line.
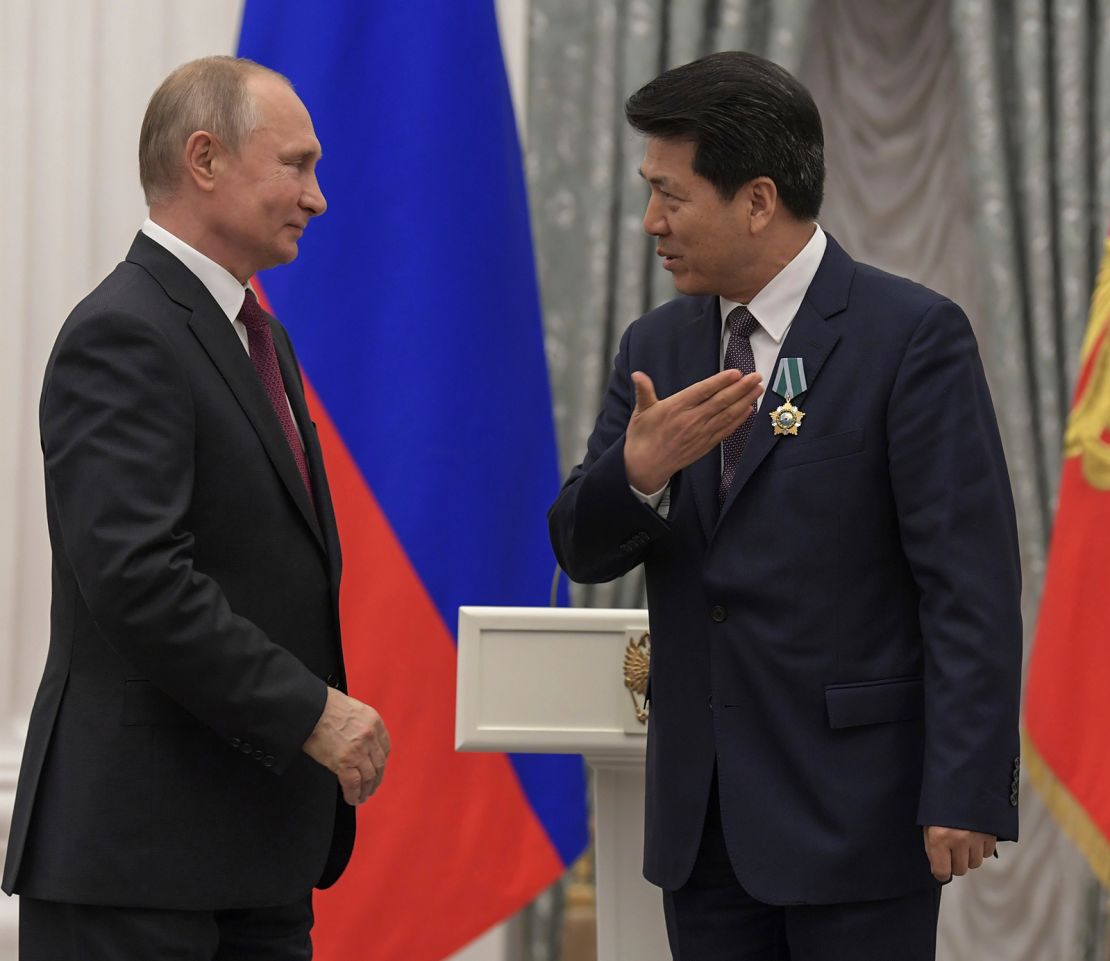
[(659, 180), (304, 154)]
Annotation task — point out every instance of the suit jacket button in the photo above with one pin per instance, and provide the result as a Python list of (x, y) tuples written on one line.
[(246, 748), (268, 761), (235, 742), (719, 614), (258, 755), (333, 680)]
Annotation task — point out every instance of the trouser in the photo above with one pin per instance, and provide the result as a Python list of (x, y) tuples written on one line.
[(712, 918), (55, 931)]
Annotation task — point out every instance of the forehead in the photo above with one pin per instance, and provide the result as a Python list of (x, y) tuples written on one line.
[(668, 161), (280, 109)]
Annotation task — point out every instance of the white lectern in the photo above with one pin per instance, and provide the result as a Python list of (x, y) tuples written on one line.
[(550, 680)]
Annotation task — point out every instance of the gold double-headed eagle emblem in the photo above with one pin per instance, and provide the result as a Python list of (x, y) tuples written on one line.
[(637, 662), (1088, 432)]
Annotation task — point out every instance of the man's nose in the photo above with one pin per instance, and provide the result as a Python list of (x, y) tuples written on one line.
[(655, 223), (313, 199)]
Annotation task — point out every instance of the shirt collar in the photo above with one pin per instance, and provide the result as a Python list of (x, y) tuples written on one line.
[(777, 303), (224, 288)]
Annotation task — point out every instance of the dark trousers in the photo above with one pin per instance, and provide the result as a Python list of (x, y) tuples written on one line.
[(52, 931), (712, 918)]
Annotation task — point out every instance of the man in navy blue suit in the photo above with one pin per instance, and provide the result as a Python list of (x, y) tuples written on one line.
[(803, 453)]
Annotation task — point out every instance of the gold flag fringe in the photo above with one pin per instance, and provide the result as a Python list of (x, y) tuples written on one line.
[(1093, 844)]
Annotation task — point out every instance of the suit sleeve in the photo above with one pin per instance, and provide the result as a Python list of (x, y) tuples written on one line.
[(958, 528), (599, 528), (118, 437)]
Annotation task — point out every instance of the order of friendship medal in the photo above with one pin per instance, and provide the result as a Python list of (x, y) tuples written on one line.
[(790, 381)]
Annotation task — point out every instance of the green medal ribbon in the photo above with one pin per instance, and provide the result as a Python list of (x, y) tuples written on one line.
[(790, 380)]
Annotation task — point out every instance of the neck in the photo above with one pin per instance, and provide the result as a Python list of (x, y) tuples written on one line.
[(782, 242), (183, 222)]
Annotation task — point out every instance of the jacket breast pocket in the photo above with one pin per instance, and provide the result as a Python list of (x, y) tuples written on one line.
[(875, 702), (144, 704), (793, 451)]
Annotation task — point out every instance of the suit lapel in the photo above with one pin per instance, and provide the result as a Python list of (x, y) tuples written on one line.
[(325, 513), (700, 357), (223, 346), (811, 338)]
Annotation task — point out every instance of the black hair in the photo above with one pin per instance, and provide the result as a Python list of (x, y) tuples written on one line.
[(748, 118)]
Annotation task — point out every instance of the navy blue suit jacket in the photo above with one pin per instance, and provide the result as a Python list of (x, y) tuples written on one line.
[(843, 637)]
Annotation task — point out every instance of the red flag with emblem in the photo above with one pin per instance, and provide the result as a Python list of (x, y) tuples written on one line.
[(1067, 706)]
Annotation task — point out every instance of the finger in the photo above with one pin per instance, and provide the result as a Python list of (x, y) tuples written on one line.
[(975, 856), (961, 854), (369, 780), (645, 390), (702, 390), (378, 780), (724, 423), (748, 387), (350, 781), (940, 859), (376, 754), (990, 847)]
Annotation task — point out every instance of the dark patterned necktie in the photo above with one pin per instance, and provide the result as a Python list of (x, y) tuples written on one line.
[(261, 342), (739, 355)]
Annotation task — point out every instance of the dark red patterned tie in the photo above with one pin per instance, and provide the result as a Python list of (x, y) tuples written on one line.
[(738, 354), (264, 357)]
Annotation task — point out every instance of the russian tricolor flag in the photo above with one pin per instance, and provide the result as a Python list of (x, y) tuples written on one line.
[(413, 306)]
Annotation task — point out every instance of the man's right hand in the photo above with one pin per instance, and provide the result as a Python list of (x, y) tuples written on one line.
[(351, 741), (664, 436)]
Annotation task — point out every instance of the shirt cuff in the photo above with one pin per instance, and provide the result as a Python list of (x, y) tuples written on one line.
[(654, 501)]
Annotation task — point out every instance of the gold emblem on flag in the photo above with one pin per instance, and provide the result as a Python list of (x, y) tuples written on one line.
[(786, 419), (1088, 432), (637, 661)]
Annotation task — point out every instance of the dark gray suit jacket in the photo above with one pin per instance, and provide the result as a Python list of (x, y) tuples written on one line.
[(194, 621)]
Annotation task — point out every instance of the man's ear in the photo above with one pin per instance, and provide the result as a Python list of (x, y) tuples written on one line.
[(763, 204), (202, 158)]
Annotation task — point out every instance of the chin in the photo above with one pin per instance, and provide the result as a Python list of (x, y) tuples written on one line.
[(690, 286), (286, 255)]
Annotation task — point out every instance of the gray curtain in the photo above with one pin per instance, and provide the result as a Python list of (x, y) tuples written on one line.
[(968, 147), (1035, 89)]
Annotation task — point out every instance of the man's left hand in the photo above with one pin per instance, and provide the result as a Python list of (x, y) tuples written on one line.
[(953, 851)]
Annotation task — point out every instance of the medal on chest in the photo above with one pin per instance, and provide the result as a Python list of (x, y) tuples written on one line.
[(790, 381)]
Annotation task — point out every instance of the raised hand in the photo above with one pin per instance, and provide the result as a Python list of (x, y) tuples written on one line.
[(663, 436)]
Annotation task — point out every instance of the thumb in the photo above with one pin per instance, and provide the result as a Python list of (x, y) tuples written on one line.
[(645, 390)]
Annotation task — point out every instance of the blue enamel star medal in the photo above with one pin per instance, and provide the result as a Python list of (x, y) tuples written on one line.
[(790, 381)]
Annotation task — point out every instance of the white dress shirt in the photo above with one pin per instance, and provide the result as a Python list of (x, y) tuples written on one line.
[(224, 288), (774, 308)]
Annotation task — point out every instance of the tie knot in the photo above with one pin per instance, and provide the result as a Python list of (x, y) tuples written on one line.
[(251, 314), (741, 322)]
